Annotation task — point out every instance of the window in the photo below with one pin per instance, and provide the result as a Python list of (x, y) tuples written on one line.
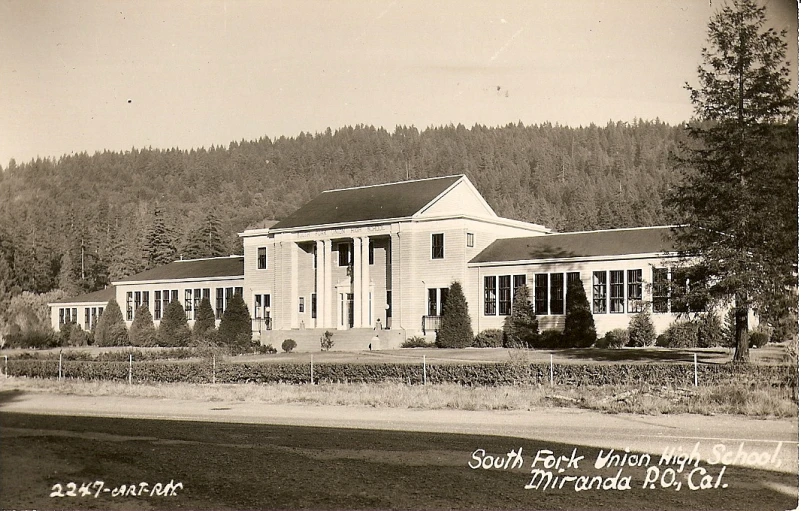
[(129, 306), (314, 305), (661, 293), (146, 298), (371, 253), (174, 295), (238, 291), (219, 305), (207, 293), (344, 250), (188, 303), (599, 292), (489, 296), (137, 300), (519, 281), (156, 305), (196, 303), (471, 239), (432, 301), (443, 299), (74, 315), (61, 315), (437, 246), (165, 299), (261, 258), (617, 289), (389, 303), (635, 291), (436, 300), (87, 324), (504, 295), (557, 293), (301, 304), (541, 293)]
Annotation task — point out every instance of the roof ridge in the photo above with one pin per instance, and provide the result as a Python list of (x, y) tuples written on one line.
[(393, 183), (617, 229), (207, 258)]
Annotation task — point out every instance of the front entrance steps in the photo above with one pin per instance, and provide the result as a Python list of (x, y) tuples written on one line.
[(354, 339)]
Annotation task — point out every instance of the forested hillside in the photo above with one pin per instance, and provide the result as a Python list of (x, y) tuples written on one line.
[(80, 221)]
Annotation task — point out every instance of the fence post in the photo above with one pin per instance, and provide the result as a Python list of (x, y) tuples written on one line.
[(59, 366), (6, 365), (130, 368), (695, 367), (213, 368), (551, 369), (424, 369), (311, 364)]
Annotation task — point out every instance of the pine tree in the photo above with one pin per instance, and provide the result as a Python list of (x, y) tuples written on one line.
[(206, 239), (204, 326), (143, 331), (111, 329), (641, 329), (455, 330), (173, 328), (579, 329), (739, 192), (521, 328), (236, 326), (160, 245), (67, 281), (124, 260)]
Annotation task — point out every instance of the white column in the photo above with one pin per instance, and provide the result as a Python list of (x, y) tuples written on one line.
[(365, 290), (293, 283), (328, 291), (357, 283), (319, 286)]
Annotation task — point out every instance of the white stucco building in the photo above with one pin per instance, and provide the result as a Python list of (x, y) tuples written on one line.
[(373, 264)]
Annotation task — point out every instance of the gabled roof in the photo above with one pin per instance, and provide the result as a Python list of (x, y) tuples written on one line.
[(365, 203), (231, 266), (614, 242), (102, 296)]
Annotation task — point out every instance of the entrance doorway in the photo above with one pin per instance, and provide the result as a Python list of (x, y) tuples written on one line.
[(346, 310)]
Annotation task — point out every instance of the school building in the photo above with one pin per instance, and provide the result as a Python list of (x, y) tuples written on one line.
[(373, 265)]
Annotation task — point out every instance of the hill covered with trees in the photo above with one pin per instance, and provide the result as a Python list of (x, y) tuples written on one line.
[(81, 221)]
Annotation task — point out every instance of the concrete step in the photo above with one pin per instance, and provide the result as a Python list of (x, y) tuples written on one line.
[(354, 339)]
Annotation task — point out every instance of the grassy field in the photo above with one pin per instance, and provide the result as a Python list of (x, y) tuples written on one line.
[(241, 466)]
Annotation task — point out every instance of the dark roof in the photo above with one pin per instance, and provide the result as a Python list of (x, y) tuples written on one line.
[(233, 266), (102, 296), (579, 244), (378, 202)]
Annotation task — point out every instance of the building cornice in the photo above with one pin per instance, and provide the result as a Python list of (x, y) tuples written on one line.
[(178, 281), (584, 259)]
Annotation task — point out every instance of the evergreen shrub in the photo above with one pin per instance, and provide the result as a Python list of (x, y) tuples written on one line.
[(455, 330), (579, 329), (417, 342), (521, 328), (111, 329), (489, 338), (143, 331), (288, 345), (641, 329), (613, 339)]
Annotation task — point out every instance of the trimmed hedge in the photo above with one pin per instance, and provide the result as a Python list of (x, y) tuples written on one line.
[(200, 371)]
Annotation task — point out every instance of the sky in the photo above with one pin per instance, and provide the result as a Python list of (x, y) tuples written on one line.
[(94, 75)]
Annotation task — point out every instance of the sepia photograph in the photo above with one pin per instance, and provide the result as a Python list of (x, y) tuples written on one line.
[(399, 255)]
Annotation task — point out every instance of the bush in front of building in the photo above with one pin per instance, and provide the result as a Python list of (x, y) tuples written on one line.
[(613, 339), (143, 331), (680, 334), (111, 329), (579, 329), (489, 338), (521, 328), (34, 338), (76, 336), (758, 338), (641, 329), (288, 345), (455, 330), (710, 331), (550, 338), (204, 328), (173, 329), (236, 328), (417, 341), (327, 341)]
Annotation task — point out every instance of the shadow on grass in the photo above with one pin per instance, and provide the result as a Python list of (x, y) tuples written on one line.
[(246, 466), (7, 396), (646, 355)]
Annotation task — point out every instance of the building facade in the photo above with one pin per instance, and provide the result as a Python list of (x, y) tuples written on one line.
[(373, 264)]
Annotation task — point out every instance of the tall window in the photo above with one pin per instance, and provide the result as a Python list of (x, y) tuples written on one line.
[(301, 304), (489, 296), (471, 239), (196, 303), (146, 298), (220, 304), (207, 293), (262, 258), (129, 306), (344, 251), (86, 321), (371, 253), (165, 299), (557, 293), (504, 295), (616, 289), (443, 299), (188, 303), (174, 295), (541, 293), (437, 246), (137, 300), (519, 281), (156, 305), (432, 301), (314, 305), (238, 291), (635, 291), (661, 292), (599, 292)]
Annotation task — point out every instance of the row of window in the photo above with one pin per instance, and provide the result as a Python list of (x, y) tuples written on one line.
[(498, 293), (70, 315), (192, 299), (617, 291)]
